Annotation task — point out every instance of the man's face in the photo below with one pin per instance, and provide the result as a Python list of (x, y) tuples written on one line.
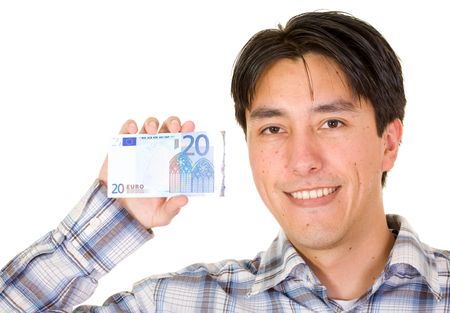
[(315, 154)]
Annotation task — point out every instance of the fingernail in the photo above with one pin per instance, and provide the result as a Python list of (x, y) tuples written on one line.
[(152, 124), (174, 125), (131, 128)]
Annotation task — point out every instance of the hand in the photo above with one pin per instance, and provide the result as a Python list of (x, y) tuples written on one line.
[(151, 212)]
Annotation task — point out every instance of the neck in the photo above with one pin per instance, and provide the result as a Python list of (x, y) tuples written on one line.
[(350, 269)]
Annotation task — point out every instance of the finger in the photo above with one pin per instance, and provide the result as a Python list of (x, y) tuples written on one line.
[(103, 175), (171, 125), (188, 126), (174, 204), (150, 126), (129, 127), (171, 208)]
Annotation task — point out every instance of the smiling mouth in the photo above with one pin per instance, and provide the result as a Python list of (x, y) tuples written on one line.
[(314, 193)]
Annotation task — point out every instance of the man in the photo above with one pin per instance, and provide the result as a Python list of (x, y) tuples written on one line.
[(321, 103)]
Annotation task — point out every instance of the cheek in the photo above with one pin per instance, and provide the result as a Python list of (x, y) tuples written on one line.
[(259, 161), (366, 168), (265, 165)]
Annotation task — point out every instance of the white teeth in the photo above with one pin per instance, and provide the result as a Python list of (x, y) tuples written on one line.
[(305, 195), (319, 193), (313, 194)]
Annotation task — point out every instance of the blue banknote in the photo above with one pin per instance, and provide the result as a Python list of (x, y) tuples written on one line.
[(161, 165)]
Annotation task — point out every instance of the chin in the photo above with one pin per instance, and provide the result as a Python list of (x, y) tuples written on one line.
[(315, 235)]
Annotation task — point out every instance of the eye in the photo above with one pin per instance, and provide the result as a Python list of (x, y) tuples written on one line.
[(332, 124), (271, 130)]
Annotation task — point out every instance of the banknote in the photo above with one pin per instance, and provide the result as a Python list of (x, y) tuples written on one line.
[(166, 164)]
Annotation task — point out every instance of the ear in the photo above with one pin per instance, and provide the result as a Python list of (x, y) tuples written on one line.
[(392, 137)]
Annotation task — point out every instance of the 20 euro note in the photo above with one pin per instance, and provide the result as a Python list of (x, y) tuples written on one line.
[(162, 165)]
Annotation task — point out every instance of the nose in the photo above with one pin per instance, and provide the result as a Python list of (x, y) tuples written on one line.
[(303, 154)]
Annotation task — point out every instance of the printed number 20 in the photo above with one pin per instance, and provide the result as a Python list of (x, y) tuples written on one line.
[(118, 188), (197, 144)]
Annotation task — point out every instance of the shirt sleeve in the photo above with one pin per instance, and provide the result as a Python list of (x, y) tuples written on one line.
[(61, 269)]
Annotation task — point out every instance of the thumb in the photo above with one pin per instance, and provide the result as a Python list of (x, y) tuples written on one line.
[(170, 209)]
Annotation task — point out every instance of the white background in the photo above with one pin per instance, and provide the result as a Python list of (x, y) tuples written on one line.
[(71, 72)]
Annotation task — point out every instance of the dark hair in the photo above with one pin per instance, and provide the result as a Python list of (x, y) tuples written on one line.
[(366, 58)]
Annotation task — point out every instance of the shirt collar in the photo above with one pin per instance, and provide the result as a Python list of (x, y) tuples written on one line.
[(410, 253), (276, 264), (279, 261)]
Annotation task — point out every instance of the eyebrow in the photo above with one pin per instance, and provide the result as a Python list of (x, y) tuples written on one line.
[(332, 107), (262, 113)]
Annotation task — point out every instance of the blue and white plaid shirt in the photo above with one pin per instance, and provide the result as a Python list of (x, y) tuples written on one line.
[(61, 270)]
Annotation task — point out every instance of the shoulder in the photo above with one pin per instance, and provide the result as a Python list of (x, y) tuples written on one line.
[(224, 270), (442, 259), (197, 280)]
